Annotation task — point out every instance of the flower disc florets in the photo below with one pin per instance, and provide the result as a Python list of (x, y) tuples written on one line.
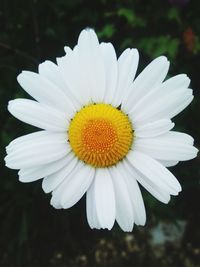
[(100, 135)]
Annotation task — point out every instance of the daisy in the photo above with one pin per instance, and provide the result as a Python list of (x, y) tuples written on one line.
[(103, 131)]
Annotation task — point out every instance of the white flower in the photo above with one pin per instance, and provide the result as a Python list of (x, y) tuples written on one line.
[(103, 131)]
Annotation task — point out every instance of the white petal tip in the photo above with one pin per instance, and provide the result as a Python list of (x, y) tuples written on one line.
[(95, 227), (187, 78), (55, 205), (6, 160), (67, 49), (196, 151), (46, 190), (177, 188), (107, 228), (128, 228), (166, 201), (10, 103), (135, 52), (163, 58), (21, 76), (172, 125), (8, 149), (141, 221), (88, 29), (88, 34), (193, 153), (6, 165), (22, 180)]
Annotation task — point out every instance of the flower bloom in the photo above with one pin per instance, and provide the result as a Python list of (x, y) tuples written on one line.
[(103, 131)]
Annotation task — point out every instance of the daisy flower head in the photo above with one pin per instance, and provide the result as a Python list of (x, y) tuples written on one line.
[(103, 131)]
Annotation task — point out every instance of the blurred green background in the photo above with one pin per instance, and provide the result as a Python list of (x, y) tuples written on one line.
[(32, 233)]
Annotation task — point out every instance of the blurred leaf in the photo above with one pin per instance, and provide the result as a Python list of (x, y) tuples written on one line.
[(174, 14), (196, 48), (156, 46), (131, 17), (128, 14), (107, 31)]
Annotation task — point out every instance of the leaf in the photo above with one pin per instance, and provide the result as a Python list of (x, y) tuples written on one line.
[(131, 17), (174, 14), (107, 31), (156, 46)]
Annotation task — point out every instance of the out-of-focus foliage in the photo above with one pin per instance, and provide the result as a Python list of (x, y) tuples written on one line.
[(32, 233)]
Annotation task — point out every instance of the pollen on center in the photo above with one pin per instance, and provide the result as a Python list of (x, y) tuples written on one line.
[(100, 135)]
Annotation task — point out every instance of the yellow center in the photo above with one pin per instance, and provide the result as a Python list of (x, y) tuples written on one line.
[(100, 135)]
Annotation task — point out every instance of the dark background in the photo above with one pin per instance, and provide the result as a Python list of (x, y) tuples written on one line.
[(32, 233)]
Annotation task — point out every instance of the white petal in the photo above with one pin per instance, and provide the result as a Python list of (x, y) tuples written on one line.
[(104, 198), (153, 129), (67, 50), (71, 190), (16, 143), (179, 137), (181, 105), (88, 35), (127, 67), (83, 69), (164, 107), (168, 163), (124, 211), (171, 146), (91, 208), (46, 149), (178, 81), (19, 143), (32, 174), (111, 70), (150, 186), (155, 172), (53, 180), (38, 115), (71, 73), (134, 193), (161, 91), (50, 71), (59, 191), (44, 91), (150, 77), (91, 64)]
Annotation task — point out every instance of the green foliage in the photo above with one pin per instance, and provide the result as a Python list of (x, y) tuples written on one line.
[(162, 45), (107, 31), (131, 18), (33, 234), (174, 14)]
